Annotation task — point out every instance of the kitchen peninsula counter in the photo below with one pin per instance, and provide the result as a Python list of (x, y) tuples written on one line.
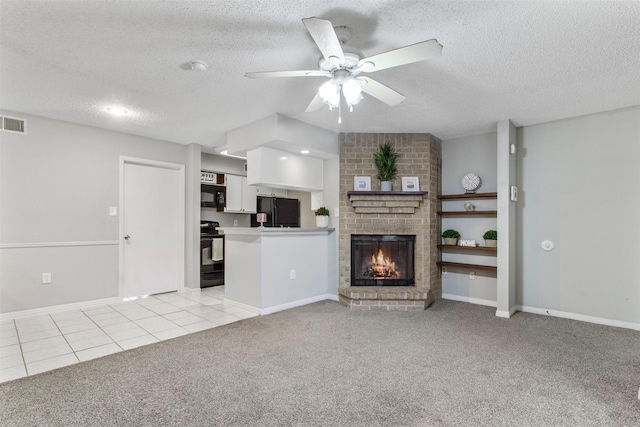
[(275, 268)]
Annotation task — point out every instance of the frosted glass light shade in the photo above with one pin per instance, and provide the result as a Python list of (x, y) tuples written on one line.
[(330, 93), (352, 91)]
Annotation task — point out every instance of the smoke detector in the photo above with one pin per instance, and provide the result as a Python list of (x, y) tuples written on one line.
[(198, 66)]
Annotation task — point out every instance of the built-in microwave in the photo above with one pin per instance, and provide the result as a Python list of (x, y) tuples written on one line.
[(212, 196)]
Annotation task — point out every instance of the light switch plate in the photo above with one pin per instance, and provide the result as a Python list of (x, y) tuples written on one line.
[(113, 211)]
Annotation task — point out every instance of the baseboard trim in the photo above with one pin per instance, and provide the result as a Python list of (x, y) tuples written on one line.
[(242, 306), (298, 303), (478, 301), (57, 308), (504, 314), (580, 317)]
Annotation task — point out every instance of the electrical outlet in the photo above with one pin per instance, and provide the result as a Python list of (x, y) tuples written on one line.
[(472, 275), (113, 211), (292, 274), (444, 271), (46, 278)]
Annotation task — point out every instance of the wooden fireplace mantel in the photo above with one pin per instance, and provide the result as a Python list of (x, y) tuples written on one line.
[(389, 202)]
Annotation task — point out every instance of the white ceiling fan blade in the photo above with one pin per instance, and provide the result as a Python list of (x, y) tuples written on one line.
[(401, 56), (381, 92), (325, 37), (292, 73), (315, 104)]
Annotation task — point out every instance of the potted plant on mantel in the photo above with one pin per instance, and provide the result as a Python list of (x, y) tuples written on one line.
[(450, 237), (385, 159), (322, 217), (490, 238)]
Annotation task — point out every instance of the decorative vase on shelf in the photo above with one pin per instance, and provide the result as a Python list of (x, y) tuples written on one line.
[(450, 241), (386, 185), (491, 243), (322, 221), (322, 217)]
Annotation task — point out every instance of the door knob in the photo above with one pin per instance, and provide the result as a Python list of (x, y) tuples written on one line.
[(127, 237)]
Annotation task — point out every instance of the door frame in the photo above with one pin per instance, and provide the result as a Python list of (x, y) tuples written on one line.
[(180, 250)]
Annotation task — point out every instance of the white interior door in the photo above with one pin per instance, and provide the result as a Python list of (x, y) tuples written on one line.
[(151, 224)]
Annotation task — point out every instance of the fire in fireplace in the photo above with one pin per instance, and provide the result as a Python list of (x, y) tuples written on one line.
[(382, 260)]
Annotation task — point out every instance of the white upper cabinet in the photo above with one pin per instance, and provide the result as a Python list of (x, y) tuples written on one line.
[(241, 197), (269, 191)]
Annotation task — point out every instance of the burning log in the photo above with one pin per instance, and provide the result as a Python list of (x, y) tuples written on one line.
[(381, 267)]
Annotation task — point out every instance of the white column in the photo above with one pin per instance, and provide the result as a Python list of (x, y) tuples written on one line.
[(506, 293), (192, 217)]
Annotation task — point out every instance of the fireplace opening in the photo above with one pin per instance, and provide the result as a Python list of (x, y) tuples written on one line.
[(382, 260)]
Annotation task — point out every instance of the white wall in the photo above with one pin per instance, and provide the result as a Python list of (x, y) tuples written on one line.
[(307, 216), (259, 264), (578, 181), (459, 156), (56, 185)]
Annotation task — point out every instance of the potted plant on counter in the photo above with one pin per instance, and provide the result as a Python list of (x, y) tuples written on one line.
[(490, 238), (322, 217), (450, 237), (385, 159)]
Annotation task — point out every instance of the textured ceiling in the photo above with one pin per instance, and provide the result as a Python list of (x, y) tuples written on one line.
[(530, 61)]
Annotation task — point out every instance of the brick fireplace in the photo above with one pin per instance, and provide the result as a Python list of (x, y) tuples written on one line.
[(395, 213)]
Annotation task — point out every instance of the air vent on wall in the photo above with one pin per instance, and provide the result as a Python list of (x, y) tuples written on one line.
[(12, 124)]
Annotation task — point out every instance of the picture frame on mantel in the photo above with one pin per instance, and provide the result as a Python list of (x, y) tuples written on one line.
[(361, 183), (410, 183)]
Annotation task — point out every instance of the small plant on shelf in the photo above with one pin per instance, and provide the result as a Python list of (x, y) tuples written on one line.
[(490, 238), (450, 237), (322, 217), (322, 211), (450, 234), (490, 235)]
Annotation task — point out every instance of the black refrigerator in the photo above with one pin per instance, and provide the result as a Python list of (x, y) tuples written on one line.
[(281, 212)]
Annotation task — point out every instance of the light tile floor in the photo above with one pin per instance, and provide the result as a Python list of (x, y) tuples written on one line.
[(37, 344)]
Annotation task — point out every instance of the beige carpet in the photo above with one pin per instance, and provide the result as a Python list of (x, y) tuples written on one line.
[(322, 365)]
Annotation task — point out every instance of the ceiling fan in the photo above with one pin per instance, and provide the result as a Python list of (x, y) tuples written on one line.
[(343, 64)]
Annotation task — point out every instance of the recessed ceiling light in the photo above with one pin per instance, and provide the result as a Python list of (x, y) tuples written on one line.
[(304, 151), (117, 111), (283, 158)]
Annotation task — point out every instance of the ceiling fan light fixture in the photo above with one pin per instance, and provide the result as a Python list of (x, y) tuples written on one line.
[(330, 93), (352, 91)]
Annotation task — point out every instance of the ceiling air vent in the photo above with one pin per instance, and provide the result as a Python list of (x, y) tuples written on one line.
[(11, 124)]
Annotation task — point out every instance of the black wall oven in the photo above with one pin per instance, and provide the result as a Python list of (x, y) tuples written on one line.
[(211, 255)]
